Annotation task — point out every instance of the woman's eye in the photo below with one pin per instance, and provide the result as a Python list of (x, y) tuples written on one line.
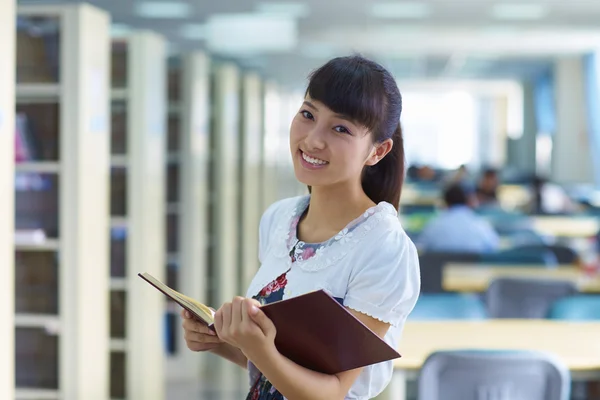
[(341, 129), (307, 114)]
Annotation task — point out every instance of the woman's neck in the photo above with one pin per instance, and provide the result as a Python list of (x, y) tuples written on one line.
[(332, 208)]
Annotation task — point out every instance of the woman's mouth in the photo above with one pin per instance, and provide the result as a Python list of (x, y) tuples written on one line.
[(311, 162)]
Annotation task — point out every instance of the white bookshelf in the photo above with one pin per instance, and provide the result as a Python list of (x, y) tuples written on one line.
[(137, 215), (7, 138), (190, 140), (61, 273), (224, 224), (250, 175)]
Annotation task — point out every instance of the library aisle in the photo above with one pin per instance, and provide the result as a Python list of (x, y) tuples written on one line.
[(7, 135)]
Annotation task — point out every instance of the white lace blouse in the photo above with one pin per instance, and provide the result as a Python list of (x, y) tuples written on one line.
[(371, 265)]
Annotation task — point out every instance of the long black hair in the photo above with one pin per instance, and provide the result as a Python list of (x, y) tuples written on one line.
[(367, 93)]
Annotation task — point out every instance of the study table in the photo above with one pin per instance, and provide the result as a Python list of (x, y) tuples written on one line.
[(475, 277), (577, 344)]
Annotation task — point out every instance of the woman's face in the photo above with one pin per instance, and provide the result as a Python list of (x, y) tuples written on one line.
[(328, 148)]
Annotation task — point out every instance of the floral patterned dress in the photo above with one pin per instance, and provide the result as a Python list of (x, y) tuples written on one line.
[(262, 388)]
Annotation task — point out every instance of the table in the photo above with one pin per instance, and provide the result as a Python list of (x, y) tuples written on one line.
[(475, 277), (566, 226), (577, 344)]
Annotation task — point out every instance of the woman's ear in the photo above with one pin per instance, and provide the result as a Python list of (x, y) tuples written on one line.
[(380, 151)]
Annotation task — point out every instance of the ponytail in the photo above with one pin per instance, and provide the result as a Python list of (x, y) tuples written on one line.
[(383, 181)]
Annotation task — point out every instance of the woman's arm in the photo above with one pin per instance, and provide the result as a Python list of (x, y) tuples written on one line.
[(232, 354), (298, 383), (248, 328)]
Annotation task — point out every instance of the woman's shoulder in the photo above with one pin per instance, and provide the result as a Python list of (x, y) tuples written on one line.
[(282, 208)]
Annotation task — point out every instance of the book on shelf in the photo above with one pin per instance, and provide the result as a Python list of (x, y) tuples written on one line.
[(314, 330)]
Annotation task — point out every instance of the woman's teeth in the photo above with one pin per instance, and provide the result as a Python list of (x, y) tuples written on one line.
[(314, 161)]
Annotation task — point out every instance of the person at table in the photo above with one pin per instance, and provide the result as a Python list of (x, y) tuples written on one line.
[(487, 188), (458, 228)]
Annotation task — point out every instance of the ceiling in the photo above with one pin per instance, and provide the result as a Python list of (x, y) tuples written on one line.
[(489, 39)]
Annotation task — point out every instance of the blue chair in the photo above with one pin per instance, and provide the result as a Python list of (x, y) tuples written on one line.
[(576, 308), (494, 375), (522, 256), (525, 298), (448, 306)]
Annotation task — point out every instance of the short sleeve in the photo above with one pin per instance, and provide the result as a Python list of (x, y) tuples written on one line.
[(269, 221), (385, 282), (264, 229)]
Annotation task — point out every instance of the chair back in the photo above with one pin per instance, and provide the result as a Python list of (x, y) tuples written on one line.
[(522, 256), (525, 298), (576, 308), (493, 375), (448, 306)]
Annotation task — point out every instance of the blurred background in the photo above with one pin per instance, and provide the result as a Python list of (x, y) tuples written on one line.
[(149, 136)]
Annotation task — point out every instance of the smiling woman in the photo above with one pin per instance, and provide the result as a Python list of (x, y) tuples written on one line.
[(344, 238)]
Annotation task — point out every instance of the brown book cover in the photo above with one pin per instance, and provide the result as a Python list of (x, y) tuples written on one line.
[(317, 332)]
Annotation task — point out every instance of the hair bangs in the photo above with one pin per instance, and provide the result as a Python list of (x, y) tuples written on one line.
[(350, 87)]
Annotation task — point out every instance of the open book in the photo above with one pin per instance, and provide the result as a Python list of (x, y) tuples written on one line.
[(197, 309), (313, 330)]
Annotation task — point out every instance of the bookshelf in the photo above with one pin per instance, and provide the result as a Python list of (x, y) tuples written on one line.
[(60, 192), (7, 138), (189, 111), (223, 207), (250, 174), (137, 209)]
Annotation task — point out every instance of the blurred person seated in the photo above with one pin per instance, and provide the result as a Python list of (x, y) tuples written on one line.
[(487, 188), (458, 229), (550, 198)]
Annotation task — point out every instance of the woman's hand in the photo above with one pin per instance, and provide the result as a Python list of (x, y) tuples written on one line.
[(198, 336), (242, 324)]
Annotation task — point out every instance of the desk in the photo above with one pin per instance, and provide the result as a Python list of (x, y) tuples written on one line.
[(576, 344), (571, 227), (462, 277)]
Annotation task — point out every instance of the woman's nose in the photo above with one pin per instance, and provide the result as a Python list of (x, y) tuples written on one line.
[(315, 139)]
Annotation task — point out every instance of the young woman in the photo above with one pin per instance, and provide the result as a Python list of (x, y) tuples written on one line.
[(345, 237)]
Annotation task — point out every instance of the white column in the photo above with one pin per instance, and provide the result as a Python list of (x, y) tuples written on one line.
[(271, 145), (252, 185), (7, 140), (84, 193), (146, 130), (225, 164), (226, 136), (571, 158), (193, 187)]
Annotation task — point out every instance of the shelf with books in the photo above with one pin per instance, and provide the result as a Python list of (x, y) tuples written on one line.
[(172, 183), (60, 154), (137, 204), (186, 172)]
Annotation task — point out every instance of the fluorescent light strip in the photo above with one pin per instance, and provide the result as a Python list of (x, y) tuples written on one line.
[(294, 10), (407, 10), (516, 11), (194, 31), (164, 10)]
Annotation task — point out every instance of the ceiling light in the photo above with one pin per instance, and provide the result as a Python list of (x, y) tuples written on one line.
[(193, 31), (165, 10), (293, 10), (408, 10), (119, 30), (251, 33), (516, 11)]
